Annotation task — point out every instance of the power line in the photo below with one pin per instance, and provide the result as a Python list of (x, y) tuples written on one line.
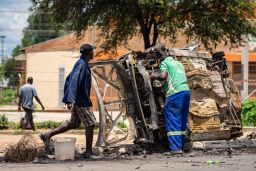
[(34, 30), (14, 11), (45, 24), (24, 12)]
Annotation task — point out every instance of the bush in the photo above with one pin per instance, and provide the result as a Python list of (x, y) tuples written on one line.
[(249, 113), (13, 125), (3, 122), (47, 125), (121, 124), (7, 96)]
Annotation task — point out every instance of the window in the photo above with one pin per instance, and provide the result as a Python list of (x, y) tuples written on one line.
[(252, 68), (237, 68), (61, 84)]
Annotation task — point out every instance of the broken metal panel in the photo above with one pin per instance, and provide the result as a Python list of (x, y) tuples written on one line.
[(183, 53), (188, 53), (102, 116), (141, 122), (153, 117), (110, 75)]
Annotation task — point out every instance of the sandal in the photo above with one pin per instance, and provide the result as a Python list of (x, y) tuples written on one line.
[(91, 156)]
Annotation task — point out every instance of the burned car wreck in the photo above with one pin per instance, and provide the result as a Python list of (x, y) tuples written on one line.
[(215, 104)]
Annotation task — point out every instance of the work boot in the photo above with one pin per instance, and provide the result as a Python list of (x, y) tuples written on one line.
[(177, 152)]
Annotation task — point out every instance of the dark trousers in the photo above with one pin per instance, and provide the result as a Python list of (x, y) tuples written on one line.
[(29, 117)]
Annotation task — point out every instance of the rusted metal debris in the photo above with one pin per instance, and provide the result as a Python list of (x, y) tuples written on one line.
[(215, 100)]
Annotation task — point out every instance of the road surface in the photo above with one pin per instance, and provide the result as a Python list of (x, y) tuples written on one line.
[(46, 116), (242, 162)]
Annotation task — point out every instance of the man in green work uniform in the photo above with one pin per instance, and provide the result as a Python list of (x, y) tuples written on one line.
[(177, 101)]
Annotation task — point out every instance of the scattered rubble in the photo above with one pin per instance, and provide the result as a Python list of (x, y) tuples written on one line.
[(250, 136), (137, 167), (80, 165), (122, 150), (29, 150)]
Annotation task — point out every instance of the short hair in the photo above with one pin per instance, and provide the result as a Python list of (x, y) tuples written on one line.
[(30, 79), (86, 48)]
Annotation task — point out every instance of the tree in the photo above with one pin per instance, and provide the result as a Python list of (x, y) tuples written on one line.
[(2, 71), (16, 50), (8, 68), (41, 27), (209, 21)]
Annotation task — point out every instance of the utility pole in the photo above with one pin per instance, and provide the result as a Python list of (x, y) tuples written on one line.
[(2, 41), (94, 38), (245, 69)]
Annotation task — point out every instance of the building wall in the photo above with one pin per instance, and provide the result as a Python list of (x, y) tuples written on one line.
[(44, 68)]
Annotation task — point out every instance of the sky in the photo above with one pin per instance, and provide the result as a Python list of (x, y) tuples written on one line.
[(13, 19)]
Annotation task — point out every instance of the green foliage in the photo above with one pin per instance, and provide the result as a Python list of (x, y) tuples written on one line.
[(249, 113), (9, 71), (3, 122), (39, 125), (2, 71), (209, 22), (13, 125), (41, 27), (16, 50), (121, 124), (47, 125), (7, 96)]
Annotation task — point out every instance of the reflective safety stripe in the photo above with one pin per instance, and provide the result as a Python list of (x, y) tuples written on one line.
[(176, 133)]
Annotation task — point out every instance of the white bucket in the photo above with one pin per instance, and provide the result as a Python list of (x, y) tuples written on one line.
[(64, 148)]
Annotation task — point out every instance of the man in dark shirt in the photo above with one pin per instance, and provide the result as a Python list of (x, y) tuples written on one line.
[(77, 97)]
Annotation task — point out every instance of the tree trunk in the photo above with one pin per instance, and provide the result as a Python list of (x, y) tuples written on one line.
[(146, 38), (155, 35), (143, 26)]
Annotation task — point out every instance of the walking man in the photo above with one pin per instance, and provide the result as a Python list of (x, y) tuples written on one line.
[(177, 101), (77, 98), (27, 92)]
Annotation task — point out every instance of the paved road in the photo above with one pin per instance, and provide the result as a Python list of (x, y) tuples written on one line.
[(45, 116), (38, 116), (242, 162)]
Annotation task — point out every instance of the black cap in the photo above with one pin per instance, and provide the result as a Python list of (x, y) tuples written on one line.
[(86, 48)]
